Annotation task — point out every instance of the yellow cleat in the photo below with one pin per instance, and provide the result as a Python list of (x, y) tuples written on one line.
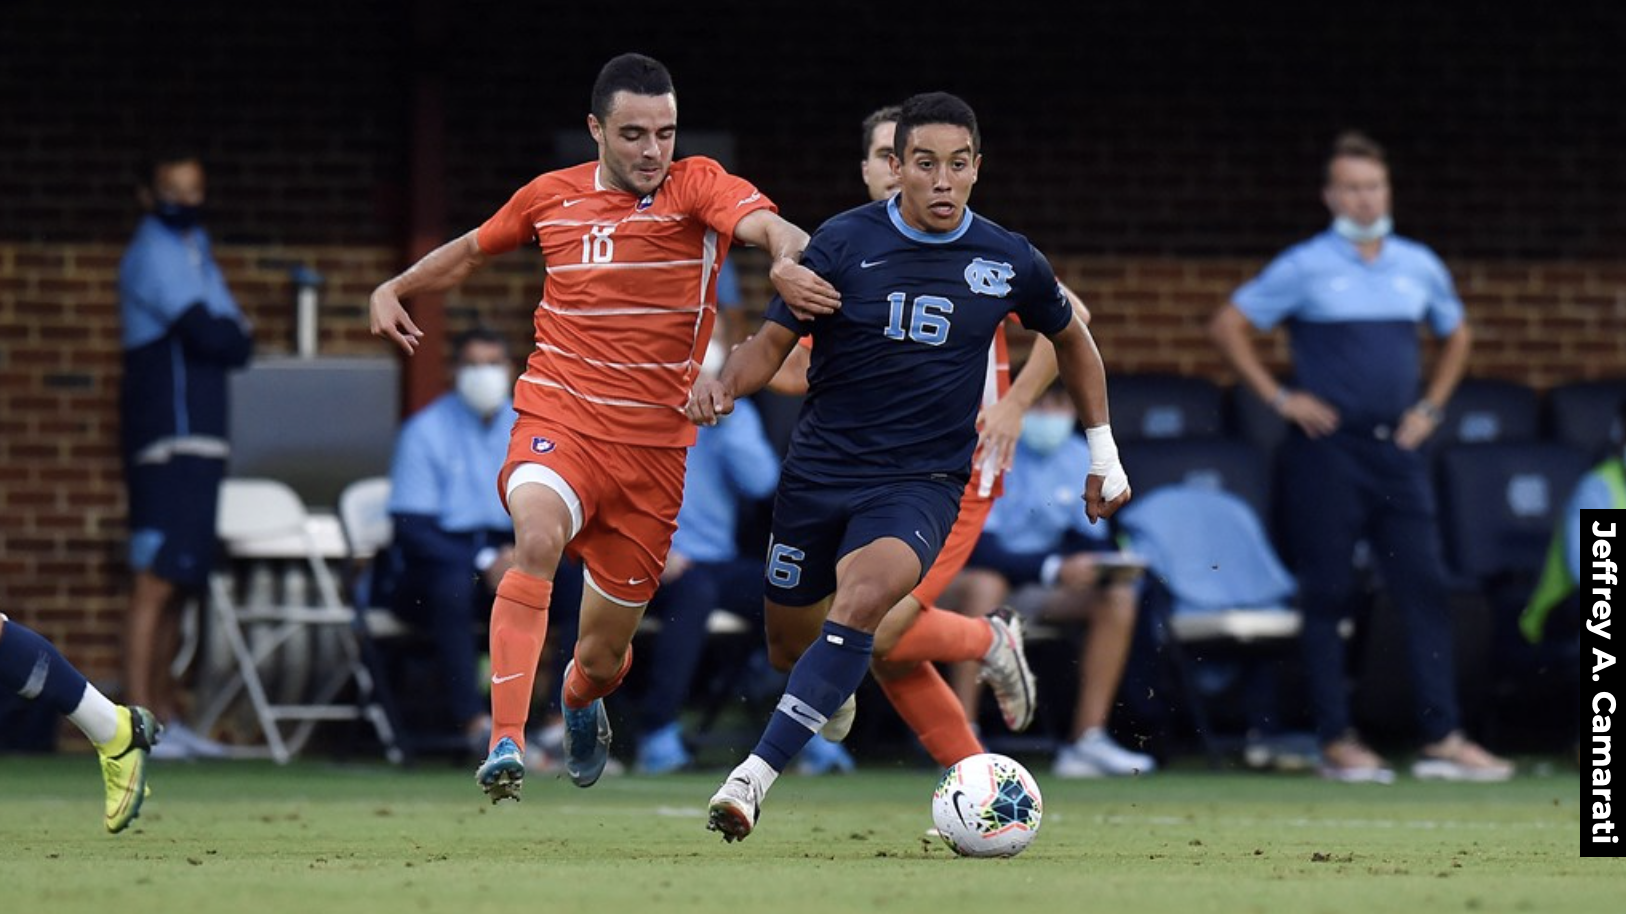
[(124, 765)]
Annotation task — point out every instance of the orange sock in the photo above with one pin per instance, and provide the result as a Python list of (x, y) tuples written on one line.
[(927, 704), (579, 691), (519, 624), (943, 636)]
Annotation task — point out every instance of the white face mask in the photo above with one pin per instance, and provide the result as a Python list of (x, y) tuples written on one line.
[(1357, 233), (1044, 432), (484, 387)]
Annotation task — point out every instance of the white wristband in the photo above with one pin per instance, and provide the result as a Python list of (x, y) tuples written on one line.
[(1104, 462)]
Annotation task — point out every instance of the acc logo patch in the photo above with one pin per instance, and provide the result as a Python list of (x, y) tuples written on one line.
[(645, 203), (987, 277), (541, 445)]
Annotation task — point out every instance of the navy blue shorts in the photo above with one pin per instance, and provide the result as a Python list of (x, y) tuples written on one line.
[(172, 517), (816, 523)]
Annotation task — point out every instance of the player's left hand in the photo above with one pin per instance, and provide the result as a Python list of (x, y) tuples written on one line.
[(708, 399), (806, 293), (1096, 505), (1415, 427), (999, 425)]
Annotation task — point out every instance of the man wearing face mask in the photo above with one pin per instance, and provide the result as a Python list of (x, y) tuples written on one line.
[(453, 540), (1352, 299), (182, 333), (1039, 544)]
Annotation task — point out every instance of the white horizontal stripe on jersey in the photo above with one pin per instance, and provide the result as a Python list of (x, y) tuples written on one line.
[(600, 363), (603, 401), (614, 310), (619, 265), (583, 223)]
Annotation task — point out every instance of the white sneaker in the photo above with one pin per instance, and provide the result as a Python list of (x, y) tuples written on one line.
[(840, 724), (1096, 750), (736, 806), (1006, 671)]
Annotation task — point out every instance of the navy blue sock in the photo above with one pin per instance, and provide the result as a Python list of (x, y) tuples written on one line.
[(33, 668), (826, 675)]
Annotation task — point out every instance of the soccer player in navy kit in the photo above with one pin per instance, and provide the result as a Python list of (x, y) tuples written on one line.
[(883, 448)]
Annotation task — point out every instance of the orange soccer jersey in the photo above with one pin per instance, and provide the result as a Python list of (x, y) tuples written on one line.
[(630, 297)]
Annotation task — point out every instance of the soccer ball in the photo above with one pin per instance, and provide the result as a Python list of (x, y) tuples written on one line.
[(987, 805)]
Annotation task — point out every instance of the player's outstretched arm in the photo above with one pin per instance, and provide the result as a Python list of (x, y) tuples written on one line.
[(439, 270), (1106, 488), (748, 369), (807, 294), (999, 425)]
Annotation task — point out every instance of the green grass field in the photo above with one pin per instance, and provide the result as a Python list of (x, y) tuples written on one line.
[(245, 837)]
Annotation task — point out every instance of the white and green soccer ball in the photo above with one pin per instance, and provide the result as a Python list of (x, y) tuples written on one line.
[(987, 805)]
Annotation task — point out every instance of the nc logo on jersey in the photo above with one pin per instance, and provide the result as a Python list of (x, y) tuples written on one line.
[(541, 445), (986, 277)]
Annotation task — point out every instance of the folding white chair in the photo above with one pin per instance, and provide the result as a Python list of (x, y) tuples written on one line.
[(263, 519)]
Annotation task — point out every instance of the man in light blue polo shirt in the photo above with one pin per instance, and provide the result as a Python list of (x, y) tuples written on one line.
[(1352, 299), (182, 334), (453, 540)]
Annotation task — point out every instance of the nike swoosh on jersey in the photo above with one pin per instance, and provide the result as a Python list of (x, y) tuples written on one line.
[(866, 264), (751, 199), (634, 582), (499, 680), (571, 202)]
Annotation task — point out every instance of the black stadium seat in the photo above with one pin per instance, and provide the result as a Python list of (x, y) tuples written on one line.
[(1155, 405), (1499, 503), (1214, 463), (1583, 413), (1490, 409)]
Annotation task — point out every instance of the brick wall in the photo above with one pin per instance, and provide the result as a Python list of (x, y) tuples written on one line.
[(61, 496), (1158, 152)]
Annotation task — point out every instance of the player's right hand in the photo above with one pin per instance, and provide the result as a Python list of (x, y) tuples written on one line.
[(1315, 416), (806, 293), (390, 319), (708, 399)]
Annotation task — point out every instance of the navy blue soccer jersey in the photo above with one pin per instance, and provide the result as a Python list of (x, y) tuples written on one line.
[(896, 377)]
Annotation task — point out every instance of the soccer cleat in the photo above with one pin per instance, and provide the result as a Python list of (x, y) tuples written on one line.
[(502, 774), (124, 765), (1006, 671), (587, 742), (735, 808), (840, 724)]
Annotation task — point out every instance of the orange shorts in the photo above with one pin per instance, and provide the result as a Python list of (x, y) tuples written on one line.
[(629, 498), (957, 548)]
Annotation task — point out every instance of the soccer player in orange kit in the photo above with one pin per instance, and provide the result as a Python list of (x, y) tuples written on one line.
[(632, 244)]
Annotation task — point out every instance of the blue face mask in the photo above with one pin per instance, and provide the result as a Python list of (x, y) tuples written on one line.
[(177, 216), (1357, 233), (1045, 432)]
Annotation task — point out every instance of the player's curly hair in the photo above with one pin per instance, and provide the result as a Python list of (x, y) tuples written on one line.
[(935, 108), (630, 72)]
